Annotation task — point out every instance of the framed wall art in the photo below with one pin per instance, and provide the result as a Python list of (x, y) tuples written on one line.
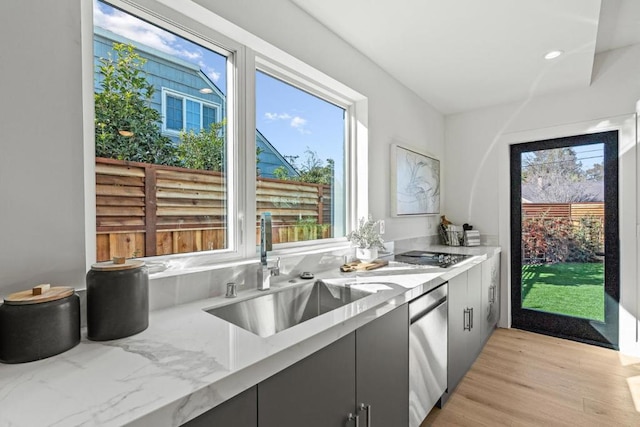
[(415, 182)]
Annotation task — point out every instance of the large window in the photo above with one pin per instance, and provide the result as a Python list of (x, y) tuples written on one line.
[(181, 167), (161, 149), (301, 156)]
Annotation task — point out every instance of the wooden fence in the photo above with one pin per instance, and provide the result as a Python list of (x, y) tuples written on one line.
[(564, 210), (145, 210)]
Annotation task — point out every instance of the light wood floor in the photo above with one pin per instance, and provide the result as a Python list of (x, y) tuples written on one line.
[(527, 379)]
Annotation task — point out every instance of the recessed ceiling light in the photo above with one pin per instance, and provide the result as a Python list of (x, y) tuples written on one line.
[(553, 54), (206, 90)]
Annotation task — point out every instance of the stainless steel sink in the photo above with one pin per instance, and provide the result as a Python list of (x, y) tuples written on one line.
[(269, 314)]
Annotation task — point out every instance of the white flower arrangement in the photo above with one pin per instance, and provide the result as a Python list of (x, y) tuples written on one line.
[(367, 235)]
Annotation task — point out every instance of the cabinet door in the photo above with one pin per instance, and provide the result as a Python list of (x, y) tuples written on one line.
[(382, 370), (318, 391), (457, 360), (239, 411), (490, 295), (474, 302)]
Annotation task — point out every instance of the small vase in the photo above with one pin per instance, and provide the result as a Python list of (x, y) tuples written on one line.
[(366, 255)]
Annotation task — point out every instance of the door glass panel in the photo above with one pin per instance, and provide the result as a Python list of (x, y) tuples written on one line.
[(563, 231)]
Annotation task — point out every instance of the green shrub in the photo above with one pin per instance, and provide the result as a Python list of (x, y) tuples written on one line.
[(204, 150), (553, 240)]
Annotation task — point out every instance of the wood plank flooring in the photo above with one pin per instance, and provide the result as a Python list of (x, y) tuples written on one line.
[(527, 379)]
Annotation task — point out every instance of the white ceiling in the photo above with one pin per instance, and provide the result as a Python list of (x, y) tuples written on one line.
[(460, 55)]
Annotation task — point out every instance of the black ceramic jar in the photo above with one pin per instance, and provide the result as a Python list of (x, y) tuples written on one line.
[(117, 299), (39, 323)]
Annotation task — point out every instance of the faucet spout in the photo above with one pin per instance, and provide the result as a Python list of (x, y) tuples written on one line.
[(264, 275)]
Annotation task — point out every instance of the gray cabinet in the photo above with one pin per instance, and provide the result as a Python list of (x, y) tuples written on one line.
[(239, 411), (490, 296), (318, 391), (465, 327), (382, 370), (364, 374)]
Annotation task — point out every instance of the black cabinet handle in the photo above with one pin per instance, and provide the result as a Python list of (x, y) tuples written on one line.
[(466, 322)]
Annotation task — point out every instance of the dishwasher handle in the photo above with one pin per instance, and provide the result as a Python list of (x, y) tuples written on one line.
[(419, 315), (428, 302)]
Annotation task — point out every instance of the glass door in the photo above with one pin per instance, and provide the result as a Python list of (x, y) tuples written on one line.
[(564, 237)]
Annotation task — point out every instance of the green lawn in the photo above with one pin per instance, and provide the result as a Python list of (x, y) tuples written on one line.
[(574, 289)]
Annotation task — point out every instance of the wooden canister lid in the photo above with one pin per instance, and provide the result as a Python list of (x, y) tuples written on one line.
[(39, 294), (117, 264)]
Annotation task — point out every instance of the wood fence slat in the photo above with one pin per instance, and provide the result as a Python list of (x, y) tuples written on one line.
[(173, 222), (119, 211), (164, 243), (288, 185), (102, 247), (162, 193), (127, 245), (190, 175), (119, 201), (122, 191), (119, 222), (190, 211), (289, 193), (190, 202), (190, 185), (132, 181), (108, 169)]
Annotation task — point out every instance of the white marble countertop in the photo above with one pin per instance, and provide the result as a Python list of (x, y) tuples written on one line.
[(189, 361)]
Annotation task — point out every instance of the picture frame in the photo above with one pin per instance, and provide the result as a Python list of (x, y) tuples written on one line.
[(415, 182)]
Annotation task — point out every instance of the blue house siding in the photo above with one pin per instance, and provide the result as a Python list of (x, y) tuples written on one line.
[(269, 158), (173, 74)]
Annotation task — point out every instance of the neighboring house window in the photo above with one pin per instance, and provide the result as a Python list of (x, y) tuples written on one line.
[(173, 113), (184, 113), (160, 191)]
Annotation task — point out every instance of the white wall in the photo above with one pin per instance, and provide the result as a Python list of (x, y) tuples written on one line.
[(41, 151), (477, 171), (42, 194)]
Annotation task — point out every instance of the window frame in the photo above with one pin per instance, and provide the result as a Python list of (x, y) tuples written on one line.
[(246, 54), (166, 92)]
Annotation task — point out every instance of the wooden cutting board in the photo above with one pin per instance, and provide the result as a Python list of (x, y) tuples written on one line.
[(363, 266)]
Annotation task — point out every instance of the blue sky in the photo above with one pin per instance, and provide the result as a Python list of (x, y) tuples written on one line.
[(292, 120)]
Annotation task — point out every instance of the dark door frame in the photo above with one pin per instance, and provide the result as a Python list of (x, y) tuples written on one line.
[(605, 333)]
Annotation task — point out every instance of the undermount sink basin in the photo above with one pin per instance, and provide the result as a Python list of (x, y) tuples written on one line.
[(269, 314)]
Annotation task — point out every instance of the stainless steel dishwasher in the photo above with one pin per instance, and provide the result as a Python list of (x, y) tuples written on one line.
[(427, 352)]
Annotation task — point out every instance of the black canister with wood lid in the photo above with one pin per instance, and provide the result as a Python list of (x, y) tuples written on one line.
[(39, 323), (117, 299)]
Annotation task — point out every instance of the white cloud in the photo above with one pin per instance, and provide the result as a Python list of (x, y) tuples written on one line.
[(211, 72), (277, 116), (142, 32), (296, 122), (299, 124)]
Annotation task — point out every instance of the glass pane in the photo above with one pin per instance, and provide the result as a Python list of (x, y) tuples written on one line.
[(300, 141), (208, 116), (174, 113), (193, 116), (563, 231), (157, 193)]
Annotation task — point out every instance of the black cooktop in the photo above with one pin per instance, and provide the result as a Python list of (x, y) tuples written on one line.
[(436, 259)]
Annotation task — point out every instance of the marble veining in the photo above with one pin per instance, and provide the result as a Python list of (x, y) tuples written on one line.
[(186, 362)]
